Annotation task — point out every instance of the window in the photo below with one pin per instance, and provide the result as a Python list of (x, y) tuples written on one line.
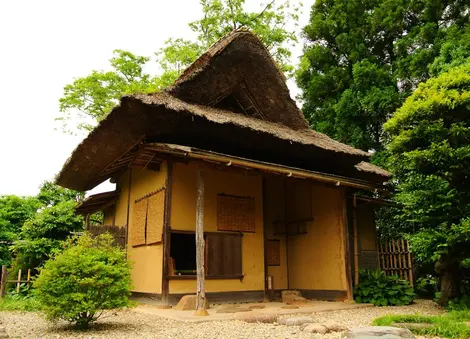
[(183, 254), (148, 219), (273, 252), (223, 255)]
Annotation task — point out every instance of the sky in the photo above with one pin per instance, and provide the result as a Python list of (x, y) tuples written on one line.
[(45, 44)]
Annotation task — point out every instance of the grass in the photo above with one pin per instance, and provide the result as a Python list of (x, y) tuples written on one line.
[(450, 325), (13, 303)]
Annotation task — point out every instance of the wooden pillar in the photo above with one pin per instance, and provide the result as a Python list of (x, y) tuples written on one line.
[(87, 221), (3, 281), (356, 253), (265, 236), (347, 251), (200, 292), (167, 232)]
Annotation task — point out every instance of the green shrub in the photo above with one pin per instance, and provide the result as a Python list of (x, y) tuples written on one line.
[(84, 280), (381, 290), (17, 303), (460, 304), (426, 287)]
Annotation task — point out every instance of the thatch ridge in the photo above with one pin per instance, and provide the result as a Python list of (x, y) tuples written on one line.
[(364, 166)]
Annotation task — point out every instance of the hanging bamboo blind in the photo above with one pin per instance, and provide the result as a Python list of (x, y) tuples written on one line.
[(155, 217), (235, 213), (148, 219), (273, 252), (139, 219), (395, 258)]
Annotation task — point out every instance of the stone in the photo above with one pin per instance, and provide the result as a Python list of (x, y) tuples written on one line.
[(334, 327), (295, 321), (378, 332), (292, 296), (290, 307), (315, 328), (161, 307), (257, 307), (257, 318), (188, 303)]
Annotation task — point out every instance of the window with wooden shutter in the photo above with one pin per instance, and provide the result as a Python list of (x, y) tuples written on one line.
[(155, 217), (235, 213), (139, 220), (224, 255)]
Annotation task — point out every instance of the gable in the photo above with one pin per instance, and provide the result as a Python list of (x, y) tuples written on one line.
[(238, 74)]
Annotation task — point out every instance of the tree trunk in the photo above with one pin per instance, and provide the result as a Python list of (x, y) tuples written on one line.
[(449, 272), (201, 293)]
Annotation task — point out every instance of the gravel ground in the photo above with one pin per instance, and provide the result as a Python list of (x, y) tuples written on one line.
[(129, 324)]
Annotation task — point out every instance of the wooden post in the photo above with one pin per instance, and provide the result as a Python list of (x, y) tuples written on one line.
[(347, 252), (356, 254), (87, 221), (18, 281), (265, 236), (3, 281), (167, 233), (410, 263), (200, 292)]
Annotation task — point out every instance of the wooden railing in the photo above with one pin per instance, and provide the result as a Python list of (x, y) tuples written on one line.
[(395, 258)]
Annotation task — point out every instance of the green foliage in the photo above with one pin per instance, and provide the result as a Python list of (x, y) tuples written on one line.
[(84, 280), (363, 58), (92, 97), (426, 287), (460, 304), (430, 158), (381, 290), (451, 325), (16, 303)]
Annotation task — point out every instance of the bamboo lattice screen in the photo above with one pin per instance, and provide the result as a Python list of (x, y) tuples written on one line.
[(235, 213), (395, 258)]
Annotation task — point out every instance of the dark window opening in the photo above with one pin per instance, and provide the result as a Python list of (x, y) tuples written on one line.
[(183, 254)]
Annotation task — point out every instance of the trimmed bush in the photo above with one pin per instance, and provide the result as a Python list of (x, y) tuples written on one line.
[(381, 290), (84, 280)]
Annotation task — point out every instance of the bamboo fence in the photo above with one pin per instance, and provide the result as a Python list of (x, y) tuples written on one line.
[(395, 259), (4, 280)]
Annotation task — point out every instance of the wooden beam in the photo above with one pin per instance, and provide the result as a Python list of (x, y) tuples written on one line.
[(356, 253), (200, 292), (167, 232)]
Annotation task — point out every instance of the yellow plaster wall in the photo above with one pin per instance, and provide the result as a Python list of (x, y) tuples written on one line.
[(316, 259), (274, 205), (183, 217), (146, 260), (108, 215)]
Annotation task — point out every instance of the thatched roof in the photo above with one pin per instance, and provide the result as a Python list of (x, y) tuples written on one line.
[(233, 100), (371, 168)]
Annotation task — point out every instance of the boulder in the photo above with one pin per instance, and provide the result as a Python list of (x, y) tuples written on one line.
[(292, 297), (378, 332), (188, 303), (315, 328), (413, 326), (296, 321)]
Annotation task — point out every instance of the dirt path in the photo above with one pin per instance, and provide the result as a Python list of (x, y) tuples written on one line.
[(131, 324)]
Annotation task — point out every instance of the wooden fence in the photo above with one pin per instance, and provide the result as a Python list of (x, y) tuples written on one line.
[(4, 280), (395, 258)]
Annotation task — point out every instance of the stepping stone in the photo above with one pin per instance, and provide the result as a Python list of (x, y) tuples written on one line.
[(378, 332), (296, 321), (188, 303), (290, 307), (257, 318), (233, 310), (257, 307), (334, 327), (3, 333), (315, 328)]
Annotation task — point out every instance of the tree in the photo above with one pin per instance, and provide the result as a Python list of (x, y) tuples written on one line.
[(85, 280), (363, 58), (14, 211), (41, 233), (92, 97), (430, 159)]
